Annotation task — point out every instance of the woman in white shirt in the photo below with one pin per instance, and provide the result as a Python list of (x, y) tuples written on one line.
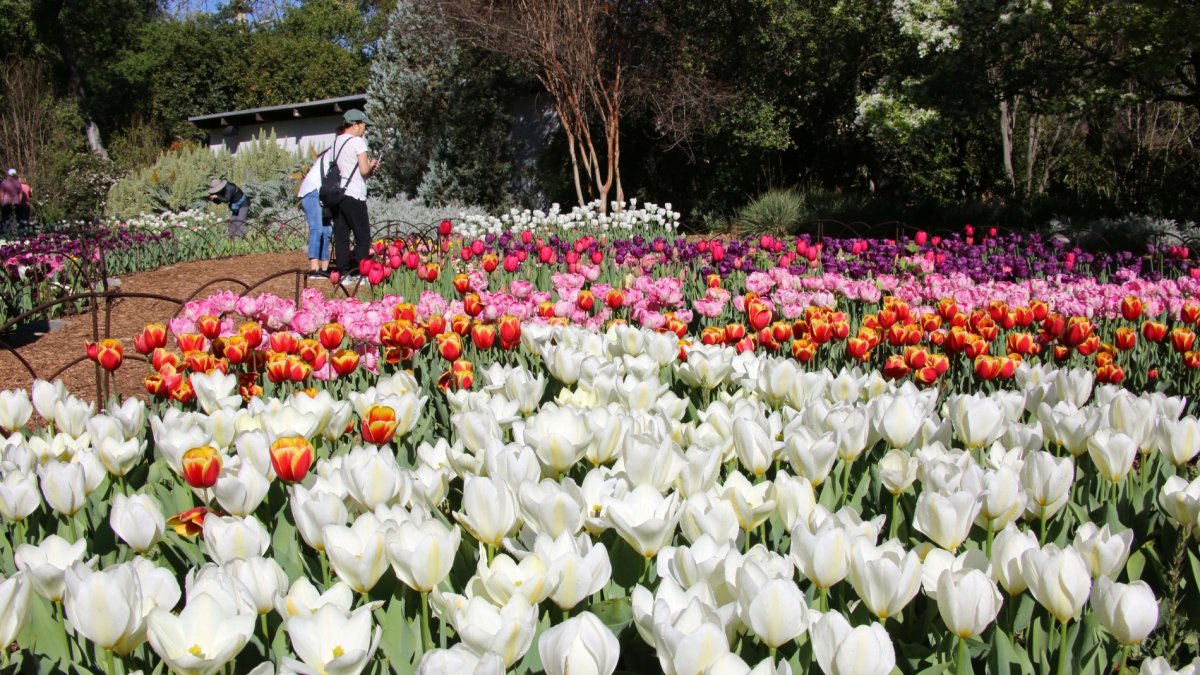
[(350, 214)]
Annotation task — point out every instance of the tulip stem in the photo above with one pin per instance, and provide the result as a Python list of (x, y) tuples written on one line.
[(1064, 658), (262, 618), (1042, 535), (324, 569), (964, 656), (108, 662), (426, 639), (894, 525), (846, 483), (71, 525)]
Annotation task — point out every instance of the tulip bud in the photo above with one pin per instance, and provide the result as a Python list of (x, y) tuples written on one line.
[(201, 466), (1128, 611), (291, 456)]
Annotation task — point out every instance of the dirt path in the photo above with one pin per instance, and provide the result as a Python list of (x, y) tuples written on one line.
[(49, 351)]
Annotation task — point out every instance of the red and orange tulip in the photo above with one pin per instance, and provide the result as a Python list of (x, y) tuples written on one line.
[(201, 466), (379, 425), (291, 457)]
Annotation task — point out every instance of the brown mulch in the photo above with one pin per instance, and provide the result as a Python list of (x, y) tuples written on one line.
[(49, 351)]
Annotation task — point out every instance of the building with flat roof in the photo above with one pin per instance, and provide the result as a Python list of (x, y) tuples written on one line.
[(303, 126)]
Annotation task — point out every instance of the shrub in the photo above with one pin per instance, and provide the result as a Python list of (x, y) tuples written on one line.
[(179, 179), (776, 211)]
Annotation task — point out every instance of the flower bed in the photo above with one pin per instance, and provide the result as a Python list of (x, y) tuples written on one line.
[(589, 463), (58, 263)]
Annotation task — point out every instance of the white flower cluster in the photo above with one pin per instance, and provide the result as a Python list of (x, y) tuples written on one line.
[(891, 116), (158, 221), (623, 217), (928, 22)]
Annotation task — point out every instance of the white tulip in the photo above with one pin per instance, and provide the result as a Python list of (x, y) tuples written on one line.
[(459, 659), (202, 638), (707, 366), (645, 519), (1058, 579), (1047, 480), (794, 499), (946, 519), (332, 641), (811, 456), (229, 538), (1104, 552), (15, 410), (19, 495), (1112, 452), (357, 552), (897, 419), (968, 601), (46, 396), (886, 578), (1128, 611), (548, 508), (581, 645), (776, 612), (1180, 500), (823, 555), (216, 390), (263, 578), (15, 596), (577, 570), (157, 585), (422, 554), (71, 415), (137, 520), (313, 511), (756, 448), (373, 477), (120, 456), (240, 488), (489, 511), (977, 419), (105, 606), (1007, 550), (651, 458), (1178, 440), (752, 503), (844, 650), (48, 561), (1003, 499), (304, 599), (507, 630), (897, 471), (131, 414), (64, 486)]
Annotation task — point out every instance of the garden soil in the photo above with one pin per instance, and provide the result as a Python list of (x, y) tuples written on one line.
[(48, 351)]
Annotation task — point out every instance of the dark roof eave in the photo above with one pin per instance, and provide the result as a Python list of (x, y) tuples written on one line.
[(322, 108)]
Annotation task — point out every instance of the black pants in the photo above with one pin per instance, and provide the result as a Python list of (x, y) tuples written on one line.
[(351, 217)]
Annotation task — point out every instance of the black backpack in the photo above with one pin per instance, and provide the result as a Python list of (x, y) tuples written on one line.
[(332, 188)]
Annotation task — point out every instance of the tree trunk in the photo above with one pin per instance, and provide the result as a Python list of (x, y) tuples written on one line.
[(61, 40), (1007, 115)]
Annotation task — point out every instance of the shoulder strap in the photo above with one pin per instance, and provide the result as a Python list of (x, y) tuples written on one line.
[(335, 159)]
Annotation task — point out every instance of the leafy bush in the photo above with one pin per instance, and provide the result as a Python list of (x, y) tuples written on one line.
[(179, 179)]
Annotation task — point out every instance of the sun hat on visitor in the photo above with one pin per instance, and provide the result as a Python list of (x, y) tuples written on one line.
[(353, 116), (216, 186), (13, 172)]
